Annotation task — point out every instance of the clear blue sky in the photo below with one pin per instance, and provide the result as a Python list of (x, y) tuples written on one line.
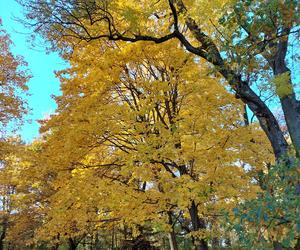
[(43, 83)]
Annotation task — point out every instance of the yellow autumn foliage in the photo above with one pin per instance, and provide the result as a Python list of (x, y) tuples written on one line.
[(141, 132)]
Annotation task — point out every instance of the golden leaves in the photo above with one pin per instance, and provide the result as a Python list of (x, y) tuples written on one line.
[(13, 79), (282, 84), (140, 131)]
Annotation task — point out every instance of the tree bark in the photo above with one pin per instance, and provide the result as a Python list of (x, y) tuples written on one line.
[(172, 234), (172, 241), (72, 244), (197, 224), (266, 119), (290, 105)]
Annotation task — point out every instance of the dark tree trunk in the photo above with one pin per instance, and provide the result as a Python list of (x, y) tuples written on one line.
[(266, 119), (72, 244), (197, 224), (290, 105), (172, 240), (172, 234)]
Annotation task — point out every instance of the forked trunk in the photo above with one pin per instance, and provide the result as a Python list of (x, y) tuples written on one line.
[(290, 105)]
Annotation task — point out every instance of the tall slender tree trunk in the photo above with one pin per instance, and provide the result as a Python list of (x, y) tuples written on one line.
[(113, 238), (172, 241), (172, 234), (197, 224)]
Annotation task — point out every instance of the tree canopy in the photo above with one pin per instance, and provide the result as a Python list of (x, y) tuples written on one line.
[(153, 138)]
